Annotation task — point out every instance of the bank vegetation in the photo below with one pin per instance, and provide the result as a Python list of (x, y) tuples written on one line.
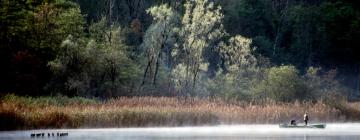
[(63, 112)]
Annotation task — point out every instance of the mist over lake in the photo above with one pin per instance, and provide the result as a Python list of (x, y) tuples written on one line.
[(341, 131)]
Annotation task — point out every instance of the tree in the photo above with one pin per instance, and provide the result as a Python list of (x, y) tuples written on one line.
[(201, 27), (307, 38), (267, 22), (31, 31), (55, 21), (159, 38), (89, 68), (238, 53), (281, 10), (249, 18), (239, 73), (14, 17), (322, 86), (281, 83), (122, 12)]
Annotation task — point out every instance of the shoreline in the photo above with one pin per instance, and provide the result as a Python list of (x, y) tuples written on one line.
[(171, 127), (21, 113)]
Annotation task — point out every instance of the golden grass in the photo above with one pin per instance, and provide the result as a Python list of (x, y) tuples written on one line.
[(355, 105), (158, 111)]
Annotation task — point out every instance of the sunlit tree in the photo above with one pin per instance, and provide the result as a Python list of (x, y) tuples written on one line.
[(201, 27), (158, 38)]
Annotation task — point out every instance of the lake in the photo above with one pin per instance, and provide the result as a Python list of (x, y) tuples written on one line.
[(347, 131)]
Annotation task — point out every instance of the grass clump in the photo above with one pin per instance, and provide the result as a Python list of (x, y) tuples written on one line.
[(29, 102)]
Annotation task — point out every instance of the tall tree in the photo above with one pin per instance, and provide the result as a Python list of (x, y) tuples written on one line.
[(201, 27), (55, 21), (158, 37), (31, 31)]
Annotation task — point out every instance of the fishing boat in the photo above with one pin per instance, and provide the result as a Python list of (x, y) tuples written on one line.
[(302, 126)]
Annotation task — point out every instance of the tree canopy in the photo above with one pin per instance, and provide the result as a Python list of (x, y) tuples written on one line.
[(237, 49)]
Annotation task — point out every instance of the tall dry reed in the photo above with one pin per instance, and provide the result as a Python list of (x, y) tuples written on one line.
[(32, 113)]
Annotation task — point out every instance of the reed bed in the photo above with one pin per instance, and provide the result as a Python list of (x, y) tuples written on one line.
[(35, 113)]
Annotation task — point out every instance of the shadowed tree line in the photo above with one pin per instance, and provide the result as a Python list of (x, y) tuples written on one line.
[(234, 49)]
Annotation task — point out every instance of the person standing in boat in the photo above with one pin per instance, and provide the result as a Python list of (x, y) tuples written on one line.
[(306, 118)]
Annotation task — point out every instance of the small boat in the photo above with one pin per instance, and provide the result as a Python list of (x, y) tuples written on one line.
[(302, 126)]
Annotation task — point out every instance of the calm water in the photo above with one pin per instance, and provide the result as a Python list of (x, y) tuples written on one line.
[(232, 132)]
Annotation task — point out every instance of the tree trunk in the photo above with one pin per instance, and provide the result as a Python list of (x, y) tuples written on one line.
[(157, 68), (196, 71), (146, 71), (164, 38), (282, 13), (276, 42)]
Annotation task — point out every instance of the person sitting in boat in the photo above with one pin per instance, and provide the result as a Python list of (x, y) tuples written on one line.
[(306, 118), (293, 122)]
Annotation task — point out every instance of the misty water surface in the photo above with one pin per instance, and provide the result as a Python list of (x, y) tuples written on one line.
[(226, 132)]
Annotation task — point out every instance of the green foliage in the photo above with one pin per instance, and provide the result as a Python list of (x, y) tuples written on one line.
[(14, 16), (238, 52), (307, 37), (240, 71), (235, 85), (341, 26), (70, 22), (53, 22), (40, 102), (281, 84), (31, 32), (179, 45), (106, 34), (93, 69), (249, 17), (201, 28), (158, 43), (322, 86)]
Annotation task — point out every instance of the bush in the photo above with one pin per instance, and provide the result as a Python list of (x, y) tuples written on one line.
[(93, 69), (320, 86), (281, 83)]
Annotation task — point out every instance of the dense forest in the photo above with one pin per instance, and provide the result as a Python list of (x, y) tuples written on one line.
[(233, 49)]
